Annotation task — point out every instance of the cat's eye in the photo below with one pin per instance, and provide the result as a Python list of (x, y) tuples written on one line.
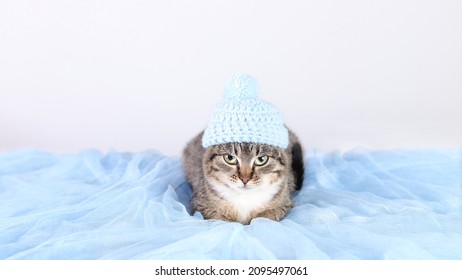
[(261, 160), (230, 159)]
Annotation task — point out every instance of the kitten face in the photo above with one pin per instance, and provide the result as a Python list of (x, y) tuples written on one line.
[(245, 166)]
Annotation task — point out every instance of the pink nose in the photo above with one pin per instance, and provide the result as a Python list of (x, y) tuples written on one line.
[(244, 179)]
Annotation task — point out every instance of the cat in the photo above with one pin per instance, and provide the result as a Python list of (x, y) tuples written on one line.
[(238, 182)]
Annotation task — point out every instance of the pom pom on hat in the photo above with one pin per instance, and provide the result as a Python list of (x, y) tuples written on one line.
[(241, 86), (243, 117)]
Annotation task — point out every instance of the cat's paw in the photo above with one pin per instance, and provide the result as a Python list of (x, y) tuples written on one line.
[(273, 214)]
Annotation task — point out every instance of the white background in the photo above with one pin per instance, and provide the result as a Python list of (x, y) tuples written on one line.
[(136, 75)]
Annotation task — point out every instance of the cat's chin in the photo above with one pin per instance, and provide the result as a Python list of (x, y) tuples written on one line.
[(245, 187)]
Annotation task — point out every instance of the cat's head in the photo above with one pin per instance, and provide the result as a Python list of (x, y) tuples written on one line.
[(244, 166)]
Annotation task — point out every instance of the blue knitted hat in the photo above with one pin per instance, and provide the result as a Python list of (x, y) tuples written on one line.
[(243, 117)]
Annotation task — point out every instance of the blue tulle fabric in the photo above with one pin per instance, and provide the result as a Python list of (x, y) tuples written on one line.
[(359, 204)]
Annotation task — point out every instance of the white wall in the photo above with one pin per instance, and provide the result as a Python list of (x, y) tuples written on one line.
[(135, 75)]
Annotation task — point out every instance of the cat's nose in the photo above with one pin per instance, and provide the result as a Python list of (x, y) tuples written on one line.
[(244, 179)]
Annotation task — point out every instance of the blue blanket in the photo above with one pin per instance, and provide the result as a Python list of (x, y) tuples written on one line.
[(359, 204)]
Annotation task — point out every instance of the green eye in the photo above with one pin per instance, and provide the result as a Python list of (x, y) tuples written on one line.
[(230, 159), (261, 160)]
